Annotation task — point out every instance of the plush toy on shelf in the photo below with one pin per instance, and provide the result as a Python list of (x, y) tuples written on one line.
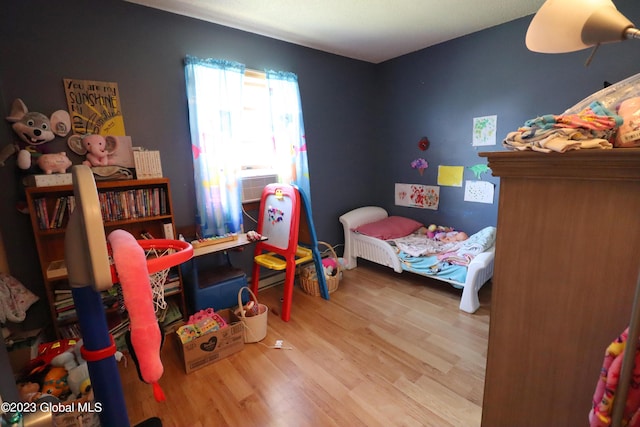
[(34, 130), (97, 148)]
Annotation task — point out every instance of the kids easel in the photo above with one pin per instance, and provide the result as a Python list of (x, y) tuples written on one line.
[(279, 221)]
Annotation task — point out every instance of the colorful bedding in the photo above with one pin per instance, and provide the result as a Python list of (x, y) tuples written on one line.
[(446, 260)]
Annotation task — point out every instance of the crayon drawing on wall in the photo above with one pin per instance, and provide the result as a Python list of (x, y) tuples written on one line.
[(484, 130), (417, 196), (478, 191)]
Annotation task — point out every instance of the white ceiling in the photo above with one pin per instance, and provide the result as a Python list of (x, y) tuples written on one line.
[(368, 30)]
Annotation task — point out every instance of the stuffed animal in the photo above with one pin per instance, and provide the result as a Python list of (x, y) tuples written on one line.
[(55, 382), (47, 352), (34, 130), (145, 337), (58, 162), (29, 391), (97, 148)]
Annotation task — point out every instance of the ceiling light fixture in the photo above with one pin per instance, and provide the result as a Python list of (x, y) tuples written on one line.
[(569, 25)]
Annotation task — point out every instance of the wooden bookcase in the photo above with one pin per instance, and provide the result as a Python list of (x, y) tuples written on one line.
[(141, 207)]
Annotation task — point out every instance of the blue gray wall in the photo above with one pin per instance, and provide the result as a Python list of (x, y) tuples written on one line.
[(438, 91), (363, 121)]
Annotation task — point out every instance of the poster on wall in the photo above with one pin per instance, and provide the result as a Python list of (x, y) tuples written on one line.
[(478, 191), (417, 196), (94, 107), (450, 175), (484, 130)]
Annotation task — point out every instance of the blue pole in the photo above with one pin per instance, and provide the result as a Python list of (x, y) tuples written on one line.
[(105, 378)]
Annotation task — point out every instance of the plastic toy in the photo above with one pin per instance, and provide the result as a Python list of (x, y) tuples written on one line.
[(55, 382), (34, 130), (145, 335), (79, 380), (97, 148), (187, 333), (47, 352)]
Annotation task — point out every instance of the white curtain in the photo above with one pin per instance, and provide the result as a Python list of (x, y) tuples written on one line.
[(214, 92), (288, 129)]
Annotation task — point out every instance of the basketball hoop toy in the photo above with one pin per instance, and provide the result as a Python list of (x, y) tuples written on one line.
[(161, 255), (90, 272)]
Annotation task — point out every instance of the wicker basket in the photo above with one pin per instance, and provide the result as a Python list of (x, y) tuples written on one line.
[(309, 279)]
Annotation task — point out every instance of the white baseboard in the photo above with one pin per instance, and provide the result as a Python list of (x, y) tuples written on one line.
[(271, 280)]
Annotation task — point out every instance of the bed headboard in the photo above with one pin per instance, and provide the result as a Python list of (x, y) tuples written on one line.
[(355, 218)]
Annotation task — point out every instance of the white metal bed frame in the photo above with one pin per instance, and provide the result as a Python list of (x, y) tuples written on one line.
[(480, 269)]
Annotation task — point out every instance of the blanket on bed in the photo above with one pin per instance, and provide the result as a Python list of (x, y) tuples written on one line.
[(461, 253), (445, 260)]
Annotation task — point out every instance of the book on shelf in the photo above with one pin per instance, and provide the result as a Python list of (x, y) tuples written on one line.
[(62, 208), (170, 287), (57, 269), (66, 314), (54, 217), (64, 303), (131, 204), (71, 330)]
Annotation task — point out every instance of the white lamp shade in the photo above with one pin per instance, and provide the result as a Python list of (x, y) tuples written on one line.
[(569, 25)]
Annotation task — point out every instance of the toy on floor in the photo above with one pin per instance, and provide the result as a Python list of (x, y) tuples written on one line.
[(145, 337), (250, 309), (55, 382), (48, 352), (200, 323), (29, 391)]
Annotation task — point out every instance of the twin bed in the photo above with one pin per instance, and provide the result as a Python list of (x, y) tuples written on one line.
[(466, 265)]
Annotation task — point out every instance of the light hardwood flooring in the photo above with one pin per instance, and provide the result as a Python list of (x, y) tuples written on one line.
[(388, 349)]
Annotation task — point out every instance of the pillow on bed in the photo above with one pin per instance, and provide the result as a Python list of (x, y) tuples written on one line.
[(391, 227)]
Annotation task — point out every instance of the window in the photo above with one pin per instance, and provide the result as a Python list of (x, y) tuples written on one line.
[(232, 140), (258, 155)]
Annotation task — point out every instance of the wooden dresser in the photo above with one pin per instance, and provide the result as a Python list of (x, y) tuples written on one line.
[(567, 261)]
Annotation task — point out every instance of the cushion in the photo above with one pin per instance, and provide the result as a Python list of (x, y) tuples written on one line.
[(391, 227)]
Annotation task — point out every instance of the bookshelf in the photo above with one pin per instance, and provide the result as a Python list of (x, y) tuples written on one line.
[(141, 207)]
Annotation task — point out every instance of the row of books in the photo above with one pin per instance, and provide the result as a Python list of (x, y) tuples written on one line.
[(62, 208), (65, 306), (170, 318), (131, 204), (117, 328)]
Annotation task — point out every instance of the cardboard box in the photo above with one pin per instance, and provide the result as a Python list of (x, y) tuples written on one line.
[(47, 180), (147, 164), (22, 346), (213, 346)]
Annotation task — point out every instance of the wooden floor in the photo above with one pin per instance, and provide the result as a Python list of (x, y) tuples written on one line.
[(388, 349)]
